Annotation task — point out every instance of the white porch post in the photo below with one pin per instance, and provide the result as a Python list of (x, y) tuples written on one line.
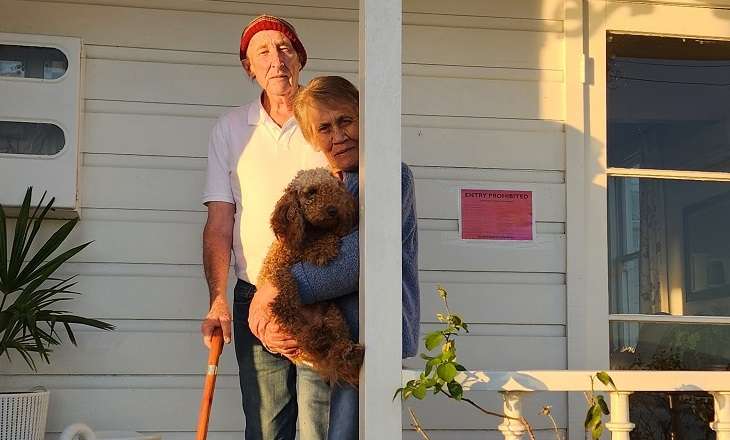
[(380, 217)]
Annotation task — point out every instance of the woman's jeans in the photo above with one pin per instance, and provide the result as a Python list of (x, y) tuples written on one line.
[(344, 413), (274, 391)]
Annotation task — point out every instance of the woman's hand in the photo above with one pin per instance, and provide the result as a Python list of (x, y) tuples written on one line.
[(264, 326), (278, 340)]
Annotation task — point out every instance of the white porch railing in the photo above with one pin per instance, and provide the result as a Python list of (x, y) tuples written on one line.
[(514, 386)]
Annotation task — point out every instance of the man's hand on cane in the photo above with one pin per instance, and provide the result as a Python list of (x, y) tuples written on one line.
[(219, 316)]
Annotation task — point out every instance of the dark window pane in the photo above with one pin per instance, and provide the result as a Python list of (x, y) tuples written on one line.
[(659, 346), (665, 346), (667, 103), (669, 246), (32, 62), (30, 138), (707, 252)]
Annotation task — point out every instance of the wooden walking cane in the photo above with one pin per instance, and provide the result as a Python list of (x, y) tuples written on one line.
[(216, 347)]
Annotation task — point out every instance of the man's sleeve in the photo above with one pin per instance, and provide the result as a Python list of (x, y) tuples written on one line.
[(218, 180)]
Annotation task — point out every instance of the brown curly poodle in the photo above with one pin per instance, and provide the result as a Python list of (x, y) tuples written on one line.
[(310, 218)]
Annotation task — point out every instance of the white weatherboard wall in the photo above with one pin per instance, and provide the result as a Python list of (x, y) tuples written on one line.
[(483, 102)]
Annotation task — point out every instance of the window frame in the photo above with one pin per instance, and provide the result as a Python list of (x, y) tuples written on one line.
[(674, 304), (56, 101), (588, 313)]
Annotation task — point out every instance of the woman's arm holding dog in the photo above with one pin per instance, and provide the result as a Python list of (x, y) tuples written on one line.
[(338, 278), (341, 276)]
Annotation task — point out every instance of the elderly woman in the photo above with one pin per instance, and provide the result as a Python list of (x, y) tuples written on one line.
[(327, 112), (254, 151)]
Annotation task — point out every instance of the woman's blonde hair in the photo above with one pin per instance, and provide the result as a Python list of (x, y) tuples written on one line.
[(323, 91)]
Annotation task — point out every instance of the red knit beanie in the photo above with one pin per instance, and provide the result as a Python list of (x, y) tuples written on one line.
[(269, 22)]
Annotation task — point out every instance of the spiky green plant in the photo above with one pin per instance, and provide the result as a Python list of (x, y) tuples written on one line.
[(29, 322)]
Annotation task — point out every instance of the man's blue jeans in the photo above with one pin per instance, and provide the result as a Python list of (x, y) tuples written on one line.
[(274, 391)]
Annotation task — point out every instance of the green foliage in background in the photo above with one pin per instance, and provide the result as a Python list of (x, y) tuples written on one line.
[(597, 406)]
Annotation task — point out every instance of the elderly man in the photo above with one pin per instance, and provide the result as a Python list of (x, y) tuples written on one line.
[(254, 151), (327, 112)]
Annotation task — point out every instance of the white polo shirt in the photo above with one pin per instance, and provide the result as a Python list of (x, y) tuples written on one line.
[(250, 162)]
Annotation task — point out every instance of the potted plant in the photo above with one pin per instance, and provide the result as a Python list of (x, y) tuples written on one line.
[(29, 317)]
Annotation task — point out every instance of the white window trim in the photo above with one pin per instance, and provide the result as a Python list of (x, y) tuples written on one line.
[(586, 24), (647, 173), (58, 101), (582, 308), (673, 319), (586, 169)]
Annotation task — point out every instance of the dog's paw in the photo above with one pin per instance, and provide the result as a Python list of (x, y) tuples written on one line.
[(350, 362), (322, 251), (322, 260)]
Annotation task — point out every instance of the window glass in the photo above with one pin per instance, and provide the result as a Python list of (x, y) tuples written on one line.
[(668, 346), (32, 62), (667, 103), (669, 246), (32, 138), (707, 258), (668, 240), (664, 346)]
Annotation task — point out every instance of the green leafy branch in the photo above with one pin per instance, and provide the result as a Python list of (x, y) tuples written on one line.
[(441, 369), (439, 375), (597, 406)]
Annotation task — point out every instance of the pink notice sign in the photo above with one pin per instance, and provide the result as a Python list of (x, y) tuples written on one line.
[(496, 215)]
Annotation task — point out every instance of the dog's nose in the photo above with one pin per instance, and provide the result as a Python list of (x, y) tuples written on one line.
[(331, 211)]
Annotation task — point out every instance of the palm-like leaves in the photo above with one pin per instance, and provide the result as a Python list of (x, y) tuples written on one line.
[(29, 324)]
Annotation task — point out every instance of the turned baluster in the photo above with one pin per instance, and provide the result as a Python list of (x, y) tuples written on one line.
[(620, 425), (721, 424), (512, 429)]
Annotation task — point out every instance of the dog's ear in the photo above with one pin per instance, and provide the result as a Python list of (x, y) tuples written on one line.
[(287, 220)]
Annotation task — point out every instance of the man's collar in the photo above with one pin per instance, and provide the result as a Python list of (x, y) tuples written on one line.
[(256, 113)]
